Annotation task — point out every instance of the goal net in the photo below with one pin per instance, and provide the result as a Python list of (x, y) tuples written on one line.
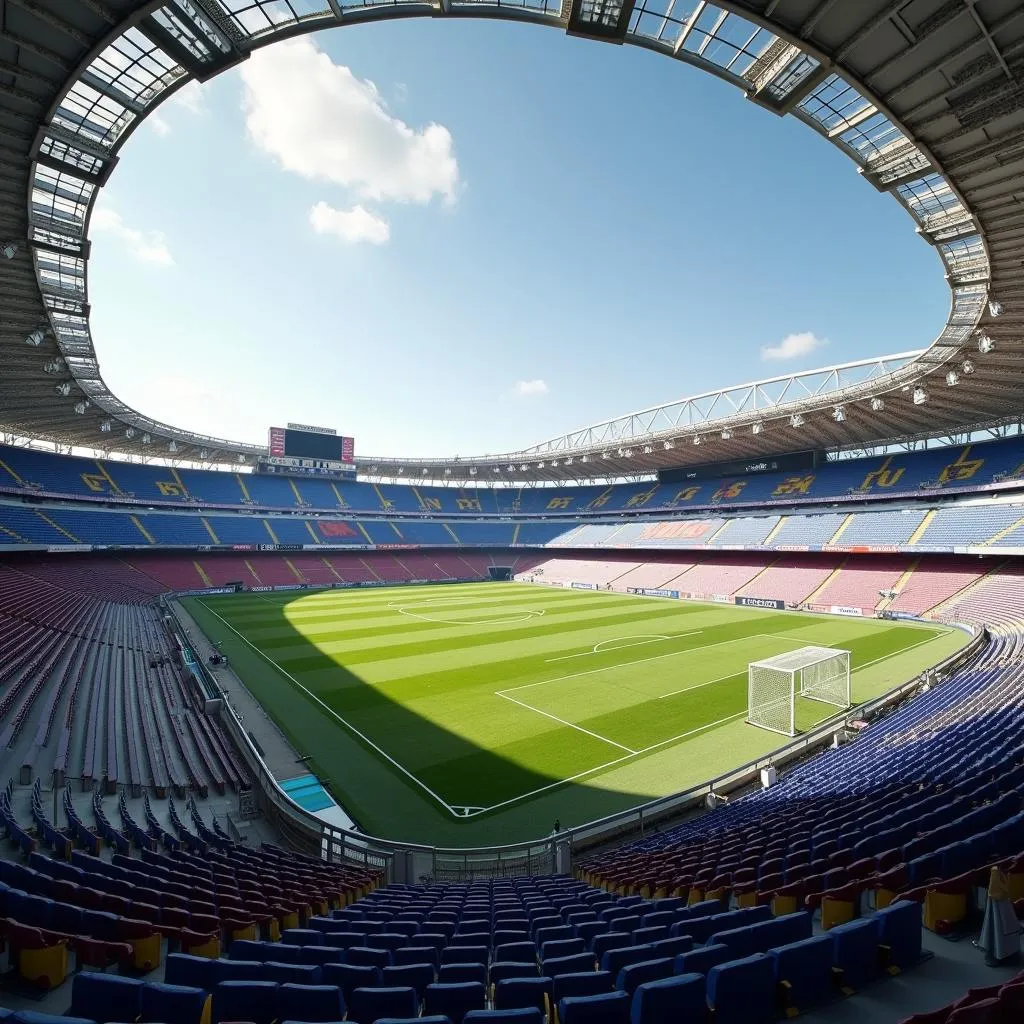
[(814, 673)]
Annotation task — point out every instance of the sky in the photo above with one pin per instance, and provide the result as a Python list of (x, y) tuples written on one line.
[(458, 238)]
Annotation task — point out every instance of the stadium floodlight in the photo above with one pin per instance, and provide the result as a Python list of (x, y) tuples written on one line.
[(9, 249), (35, 339), (796, 420), (757, 427), (839, 414), (920, 396), (952, 378), (54, 366), (697, 439), (129, 433), (64, 389), (584, 458), (80, 407), (523, 468), (668, 445), (203, 453), (967, 366), (569, 461), (448, 471), (726, 434), (106, 426), (877, 404), (554, 463), (424, 471), (146, 439), (812, 673), (540, 465), (497, 469), (472, 470), (648, 450), (511, 469), (241, 458), (172, 447), (985, 344), (606, 455), (995, 307), (400, 470)]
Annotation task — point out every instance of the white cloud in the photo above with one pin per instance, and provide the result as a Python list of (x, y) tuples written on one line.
[(145, 246), (527, 388), (319, 121), (190, 98), (159, 125), (793, 346), (355, 225)]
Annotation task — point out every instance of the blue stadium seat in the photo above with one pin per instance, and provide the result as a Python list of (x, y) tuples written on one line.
[(368, 1005), (464, 955), (512, 993), (237, 970), (586, 983), (701, 960), (254, 1001), (607, 1008), (173, 1004), (190, 971), (553, 966), (855, 951), (634, 975), (415, 976), (407, 955), (454, 1001), (317, 1004), (803, 971), (743, 991), (296, 974), (301, 937), (670, 1000), (899, 934), (502, 969), (367, 956), (349, 977), (614, 960), (463, 972), (524, 1015), (103, 997), (317, 955)]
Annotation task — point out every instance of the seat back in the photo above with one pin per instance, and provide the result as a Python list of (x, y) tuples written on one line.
[(607, 1008), (743, 991), (254, 1001), (367, 1005), (314, 1003), (106, 997), (586, 983), (454, 1000), (666, 1000)]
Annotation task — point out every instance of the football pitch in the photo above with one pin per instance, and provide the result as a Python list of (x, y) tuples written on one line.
[(472, 714)]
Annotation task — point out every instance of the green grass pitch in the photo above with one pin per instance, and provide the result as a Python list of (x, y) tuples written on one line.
[(480, 713)]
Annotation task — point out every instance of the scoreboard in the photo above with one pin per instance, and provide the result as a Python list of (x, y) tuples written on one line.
[(301, 442), (301, 449)]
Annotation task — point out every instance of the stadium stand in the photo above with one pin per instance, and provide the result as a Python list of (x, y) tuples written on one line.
[(910, 475)]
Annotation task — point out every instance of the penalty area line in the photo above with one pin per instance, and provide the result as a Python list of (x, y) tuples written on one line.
[(334, 714), (562, 721)]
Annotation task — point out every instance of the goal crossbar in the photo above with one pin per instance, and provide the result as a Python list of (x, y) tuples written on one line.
[(814, 673)]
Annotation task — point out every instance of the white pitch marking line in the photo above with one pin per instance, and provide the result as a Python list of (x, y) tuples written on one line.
[(334, 714), (609, 764), (562, 721), (697, 686), (641, 638)]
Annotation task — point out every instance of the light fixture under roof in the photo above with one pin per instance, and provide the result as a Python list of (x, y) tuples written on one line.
[(667, 445), (554, 463), (35, 338), (172, 447), (203, 453), (569, 461), (606, 455), (920, 396), (839, 413), (967, 366), (9, 250), (540, 465), (54, 366), (80, 407), (648, 450), (472, 470), (985, 344), (64, 389), (146, 439), (696, 439), (726, 434), (584, 458), (995, 307), (106, 426), (757, 428), (796, 420), (952, 378), (448, 471), (129, 432), (241, 458), (877, 404)]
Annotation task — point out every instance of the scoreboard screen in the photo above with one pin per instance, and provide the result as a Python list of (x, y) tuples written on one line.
[(296, 442)]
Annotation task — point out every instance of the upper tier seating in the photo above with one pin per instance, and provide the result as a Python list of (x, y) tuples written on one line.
[(907, 474)]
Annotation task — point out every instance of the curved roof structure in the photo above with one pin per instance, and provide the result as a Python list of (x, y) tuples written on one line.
[(926, 96)]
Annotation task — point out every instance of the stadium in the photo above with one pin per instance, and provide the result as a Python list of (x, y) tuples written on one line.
[(706, 712)]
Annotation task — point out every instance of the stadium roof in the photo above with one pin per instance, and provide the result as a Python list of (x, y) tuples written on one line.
[(926, 96)]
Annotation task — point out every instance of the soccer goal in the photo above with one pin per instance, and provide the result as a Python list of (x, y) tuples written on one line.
[(815, 673)]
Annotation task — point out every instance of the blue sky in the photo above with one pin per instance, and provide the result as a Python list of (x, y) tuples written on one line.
[(464, 237)]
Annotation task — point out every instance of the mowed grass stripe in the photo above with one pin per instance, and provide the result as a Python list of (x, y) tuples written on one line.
[(426, 692)]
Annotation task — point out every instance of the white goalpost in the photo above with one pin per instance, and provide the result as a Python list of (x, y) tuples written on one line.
[(816, 673)]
